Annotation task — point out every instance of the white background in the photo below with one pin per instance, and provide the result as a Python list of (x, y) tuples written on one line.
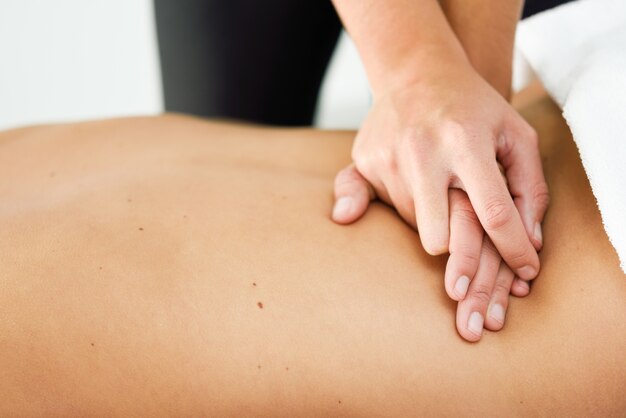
[(67, 60)]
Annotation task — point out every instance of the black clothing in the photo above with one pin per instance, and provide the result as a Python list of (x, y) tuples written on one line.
[(255, 60)]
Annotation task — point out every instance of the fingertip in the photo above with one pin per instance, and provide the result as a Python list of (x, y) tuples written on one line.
[(460, 287), (346, 210), (535, 234), (352, 196), (520, 288), (435, 238), (496, 314), (455, 283), (472, 329), (527, 272), (436, 247)]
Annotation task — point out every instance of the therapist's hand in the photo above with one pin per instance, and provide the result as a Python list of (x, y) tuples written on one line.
[(475, 275), (449, 129), (486, 282)]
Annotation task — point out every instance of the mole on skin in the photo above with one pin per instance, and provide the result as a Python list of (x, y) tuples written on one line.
[(141, 229), (260, 305)]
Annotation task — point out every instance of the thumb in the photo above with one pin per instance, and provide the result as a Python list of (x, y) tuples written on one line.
[(352, 195)]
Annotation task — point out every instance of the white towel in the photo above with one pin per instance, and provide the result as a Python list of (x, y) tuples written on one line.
[(578, 51)]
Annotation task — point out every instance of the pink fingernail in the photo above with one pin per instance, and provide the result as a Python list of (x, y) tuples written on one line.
[(496, 311), (527, 273), (524, 284), (342, 207), (475, 323), (538, 234), (460, 287)]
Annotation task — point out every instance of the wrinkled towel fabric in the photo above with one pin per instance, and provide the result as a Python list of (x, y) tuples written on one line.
[(578, 51)]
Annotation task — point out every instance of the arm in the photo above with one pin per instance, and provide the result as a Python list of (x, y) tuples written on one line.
[(482, 31), (438, 124), (486, 30), (396, 37)]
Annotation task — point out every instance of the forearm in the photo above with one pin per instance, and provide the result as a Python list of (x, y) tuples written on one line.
[(486, 30), (399, 40)]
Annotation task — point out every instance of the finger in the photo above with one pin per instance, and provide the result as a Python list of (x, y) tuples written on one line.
[(518, 151), (520, 288), (471, 311), (429, 186), (499, 217), (496, 312), (466, 238), (432, 219), (352, 195), (397, 196)]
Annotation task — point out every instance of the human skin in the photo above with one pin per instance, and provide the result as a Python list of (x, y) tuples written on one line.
[(174, 266), (425, 133), (485, 29)]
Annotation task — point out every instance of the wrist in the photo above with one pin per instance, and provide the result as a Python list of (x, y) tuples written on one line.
[(429, 63), (428, 66), (495, 70)]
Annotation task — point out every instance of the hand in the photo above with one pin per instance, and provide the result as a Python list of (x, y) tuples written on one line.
[(449, 130), (484, 281)]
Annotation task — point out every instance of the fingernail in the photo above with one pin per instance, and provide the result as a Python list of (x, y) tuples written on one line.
[(524, 284), (461, 285), (475, 323), (496, 312), (527, 273), (538, 234), (342, 207)]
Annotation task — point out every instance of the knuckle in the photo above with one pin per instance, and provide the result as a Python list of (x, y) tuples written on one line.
[(455, 128), (470, 147), (502, 288), (385, 159), (346, 175), (461, 133), (361, 161), (349, 186), (348, 181), (464, 211), (504, 144), (519, 257), (415, 147), (498, 214), (365, 165), (467, 259), (481, 293), (490, 249)]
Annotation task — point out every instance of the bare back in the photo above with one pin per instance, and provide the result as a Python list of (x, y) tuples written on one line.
[(172, 265)]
